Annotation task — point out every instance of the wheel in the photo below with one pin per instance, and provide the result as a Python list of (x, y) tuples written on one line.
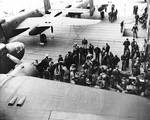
[(43, 38)]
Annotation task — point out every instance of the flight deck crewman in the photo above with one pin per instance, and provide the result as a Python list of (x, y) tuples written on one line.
[(135, 29), (121, 25)]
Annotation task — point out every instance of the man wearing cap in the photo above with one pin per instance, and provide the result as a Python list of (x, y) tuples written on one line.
[(126, 44)]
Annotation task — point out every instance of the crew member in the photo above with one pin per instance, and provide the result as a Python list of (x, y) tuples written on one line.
[(135, 30)]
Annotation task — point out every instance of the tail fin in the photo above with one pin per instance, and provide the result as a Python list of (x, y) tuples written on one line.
[(92, 8), (47, 6)]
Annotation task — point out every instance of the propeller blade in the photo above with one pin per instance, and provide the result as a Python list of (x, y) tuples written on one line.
[(13, 58)]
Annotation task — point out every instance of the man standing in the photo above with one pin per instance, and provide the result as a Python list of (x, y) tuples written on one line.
[(76, 54), (121, 25), (133, 43), (97, 51), (136, 19), (135, 9), (51, 69), (107, 48), (135, 29), (127, 55), (68, 59), (84, 43), (115, 60), (102, 14), (123, 58), (126, 44), (91, 48)]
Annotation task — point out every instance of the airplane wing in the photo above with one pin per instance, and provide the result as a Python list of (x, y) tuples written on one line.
[(31, 98), (39, 24), (36, 25), (31, 22)]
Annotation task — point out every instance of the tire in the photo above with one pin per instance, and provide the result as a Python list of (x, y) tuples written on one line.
[(43, 38)]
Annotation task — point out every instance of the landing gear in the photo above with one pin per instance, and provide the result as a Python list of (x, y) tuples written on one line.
[(43, 39), (52, 32)]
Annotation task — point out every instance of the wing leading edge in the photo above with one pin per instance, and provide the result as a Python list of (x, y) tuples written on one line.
[(36, 25)]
